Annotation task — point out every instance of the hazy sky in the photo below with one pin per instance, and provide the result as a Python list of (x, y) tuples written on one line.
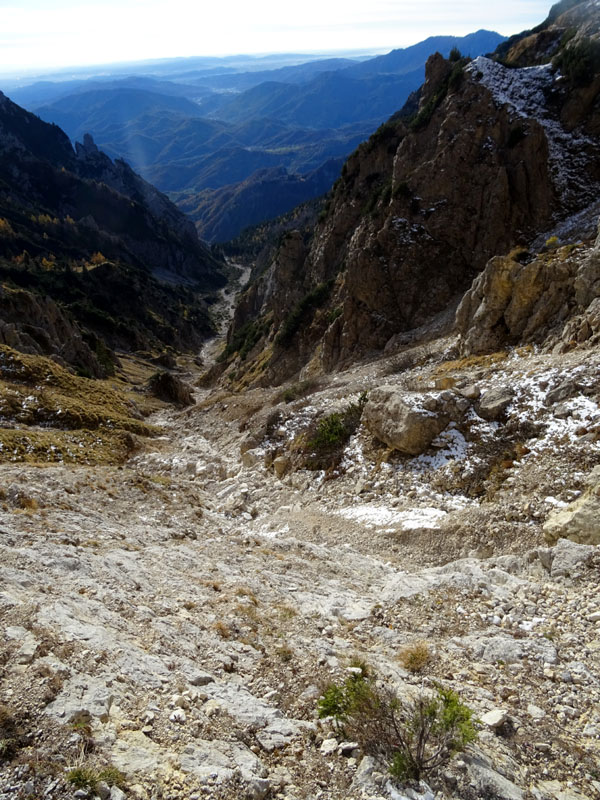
[(51, 33)]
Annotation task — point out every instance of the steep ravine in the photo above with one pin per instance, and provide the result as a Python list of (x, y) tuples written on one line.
[(178, 617)]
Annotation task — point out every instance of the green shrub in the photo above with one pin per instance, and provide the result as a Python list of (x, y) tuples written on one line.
[(579, 62), (411, 737), (83, 778), (89, 778), (325, 447)]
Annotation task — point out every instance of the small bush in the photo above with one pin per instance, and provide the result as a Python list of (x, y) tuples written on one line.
[(579, 62), (410, 737), (415, 657), (89, 778), (83, 778), (325, 447), (112, 776)]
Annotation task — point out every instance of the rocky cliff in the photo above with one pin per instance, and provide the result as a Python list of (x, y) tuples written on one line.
[(495, 155), (107, 205), (91, 256)]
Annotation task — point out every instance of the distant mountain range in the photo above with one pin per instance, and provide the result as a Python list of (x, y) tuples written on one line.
[(205, 129)]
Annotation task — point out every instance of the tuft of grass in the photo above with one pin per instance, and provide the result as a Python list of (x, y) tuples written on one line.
[(222, 629), (89, 777), (415, 657), (83, 778)]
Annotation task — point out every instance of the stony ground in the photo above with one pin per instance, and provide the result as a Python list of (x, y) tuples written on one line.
[(177, 618)]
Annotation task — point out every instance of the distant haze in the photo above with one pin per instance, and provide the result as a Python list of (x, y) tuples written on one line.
[(38, 34)]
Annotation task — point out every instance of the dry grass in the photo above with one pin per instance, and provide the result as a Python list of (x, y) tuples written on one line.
[(415, 657), (488, 360), (56, 416), (222, 629)]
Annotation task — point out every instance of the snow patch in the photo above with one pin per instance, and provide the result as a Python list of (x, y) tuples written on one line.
[(379, 516)]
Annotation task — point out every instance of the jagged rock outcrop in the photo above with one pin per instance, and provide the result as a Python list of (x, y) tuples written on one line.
[(518, 298), (34, 324), (494, 156), (93, 203)]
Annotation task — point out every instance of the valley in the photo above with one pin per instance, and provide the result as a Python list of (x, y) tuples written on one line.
[(312, 514), (195, 133)]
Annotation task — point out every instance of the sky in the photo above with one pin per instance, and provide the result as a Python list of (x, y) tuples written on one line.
[(39, 34)]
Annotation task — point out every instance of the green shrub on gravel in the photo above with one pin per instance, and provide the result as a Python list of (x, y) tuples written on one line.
[(412, 737), (324, 447)]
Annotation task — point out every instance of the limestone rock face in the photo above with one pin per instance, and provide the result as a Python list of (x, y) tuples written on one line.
[(587, 280), (36, 325), (579, 521), (515, 300), (406, 423)]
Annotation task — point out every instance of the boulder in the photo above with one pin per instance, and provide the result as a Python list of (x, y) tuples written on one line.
[(579, 521), (171, 389), (495, 718), (281, 465), (494, 403), (409, 422)]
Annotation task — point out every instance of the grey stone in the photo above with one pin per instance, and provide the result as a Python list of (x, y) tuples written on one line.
[(495, 718), (281, 465), (200, 678), (103, 790), (82, 694), (569, 559), (364, 777), (494, 402), (405, 422), (489, 782), (252, 457), (329, 747), (563, 391)]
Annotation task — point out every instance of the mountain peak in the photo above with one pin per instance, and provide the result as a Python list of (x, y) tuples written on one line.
[(86, 147)]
